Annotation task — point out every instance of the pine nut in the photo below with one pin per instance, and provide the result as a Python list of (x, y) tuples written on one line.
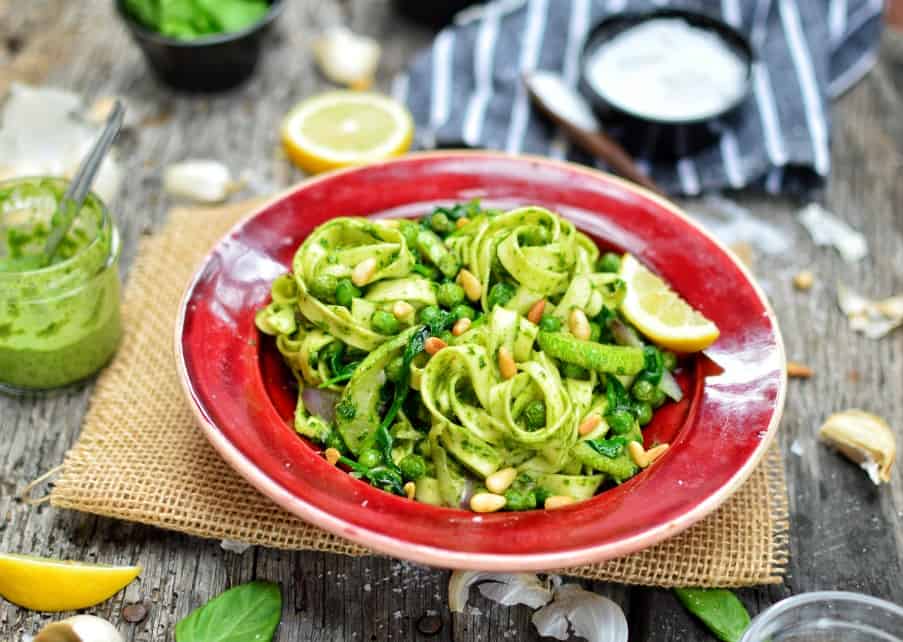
[(558, 501), (332, 456), (410, 489), (638, 454), (499, 481), (462, 222), (798, 370), (804, 280), (471, 284), (535, 313), (654, 453), (402, 310), (579, 324), (506, 363), (434, 345), (589, 424), (461, 326), (487, 502), (363, 272)]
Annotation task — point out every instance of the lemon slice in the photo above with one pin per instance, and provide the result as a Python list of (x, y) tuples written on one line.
[(660, 313), (42, 584), (342, 128)]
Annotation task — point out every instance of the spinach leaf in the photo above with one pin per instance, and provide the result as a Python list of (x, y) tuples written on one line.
[(608, 447), (342, 374), (248, 612), (414, 347), (719, 609)]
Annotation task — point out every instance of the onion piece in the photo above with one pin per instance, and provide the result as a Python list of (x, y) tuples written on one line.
[(669, 386), (504, 588), (625, 335), (469, 489), (320, 403), (593, 617)]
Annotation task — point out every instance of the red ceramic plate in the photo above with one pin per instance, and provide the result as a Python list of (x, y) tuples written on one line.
[(243, 396)]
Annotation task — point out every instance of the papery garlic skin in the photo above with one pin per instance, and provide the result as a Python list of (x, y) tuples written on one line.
[(504, 588), (865, 439)]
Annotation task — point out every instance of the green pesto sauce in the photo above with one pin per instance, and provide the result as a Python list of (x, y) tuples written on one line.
[(58, 324)]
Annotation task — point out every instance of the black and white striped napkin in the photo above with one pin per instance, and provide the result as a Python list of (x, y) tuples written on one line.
[(466, 89)]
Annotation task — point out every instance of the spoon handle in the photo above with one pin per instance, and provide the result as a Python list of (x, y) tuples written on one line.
[(78, 189)]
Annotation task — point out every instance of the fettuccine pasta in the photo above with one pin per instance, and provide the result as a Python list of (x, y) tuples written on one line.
[(473, 359)]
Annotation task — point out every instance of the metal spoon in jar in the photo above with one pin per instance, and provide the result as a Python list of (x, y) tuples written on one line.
[(74, 197)]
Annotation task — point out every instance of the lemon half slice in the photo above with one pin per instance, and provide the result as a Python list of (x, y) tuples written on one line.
[(42, 584), (342, 128), (660, 313)]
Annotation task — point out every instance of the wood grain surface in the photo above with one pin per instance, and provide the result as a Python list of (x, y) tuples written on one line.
[(847, 534)]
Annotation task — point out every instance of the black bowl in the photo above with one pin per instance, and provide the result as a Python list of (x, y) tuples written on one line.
[(210, 63), (435, 13), (659, 139)]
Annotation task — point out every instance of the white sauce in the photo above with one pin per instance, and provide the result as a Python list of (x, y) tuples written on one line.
[(667, 70)]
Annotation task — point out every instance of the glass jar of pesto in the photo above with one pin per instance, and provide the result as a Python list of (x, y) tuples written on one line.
[(59, 323)]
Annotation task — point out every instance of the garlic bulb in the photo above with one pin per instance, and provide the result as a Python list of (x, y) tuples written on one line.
[(864, 438), (80, 628), (347, 58)]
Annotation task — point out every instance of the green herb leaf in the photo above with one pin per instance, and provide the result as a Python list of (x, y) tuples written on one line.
[(719, 609), (248, 612), (343, 374), (608, 447)]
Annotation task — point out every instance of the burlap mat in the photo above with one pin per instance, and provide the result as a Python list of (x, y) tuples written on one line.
[(141, 458)]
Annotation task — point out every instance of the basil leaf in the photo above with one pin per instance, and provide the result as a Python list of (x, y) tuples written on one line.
[(719, 609), (248, 612)]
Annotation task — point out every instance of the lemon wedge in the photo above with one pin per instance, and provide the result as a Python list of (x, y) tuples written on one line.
[(342, 128), (42, 584), (660, 313)]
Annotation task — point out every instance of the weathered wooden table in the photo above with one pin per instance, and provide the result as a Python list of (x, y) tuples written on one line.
[(846, 533)]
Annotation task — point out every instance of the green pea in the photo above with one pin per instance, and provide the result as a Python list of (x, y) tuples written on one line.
[(570, 371), (385, 322), (549, 323), (450, 294), (345, 292), (669, 360), (658, 399), (610, 262), (520, 499), (395, 370), (620, 421), (413, 467), (463, 311), (447, 336), (643, 391), (440, 223), (323, 287), (500, 294), (427, 271), (370, 458), (430, 314), (595, 331), (643, 413), (535, 415)]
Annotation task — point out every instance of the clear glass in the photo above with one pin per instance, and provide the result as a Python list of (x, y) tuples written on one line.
[(60, 323), (828, 616)]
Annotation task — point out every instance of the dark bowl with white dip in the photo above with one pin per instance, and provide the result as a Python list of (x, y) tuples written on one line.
[(666, 82)]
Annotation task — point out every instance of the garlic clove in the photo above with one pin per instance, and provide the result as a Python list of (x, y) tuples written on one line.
[(347, 58), (863, 438), (204, 181), (80, 628)]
